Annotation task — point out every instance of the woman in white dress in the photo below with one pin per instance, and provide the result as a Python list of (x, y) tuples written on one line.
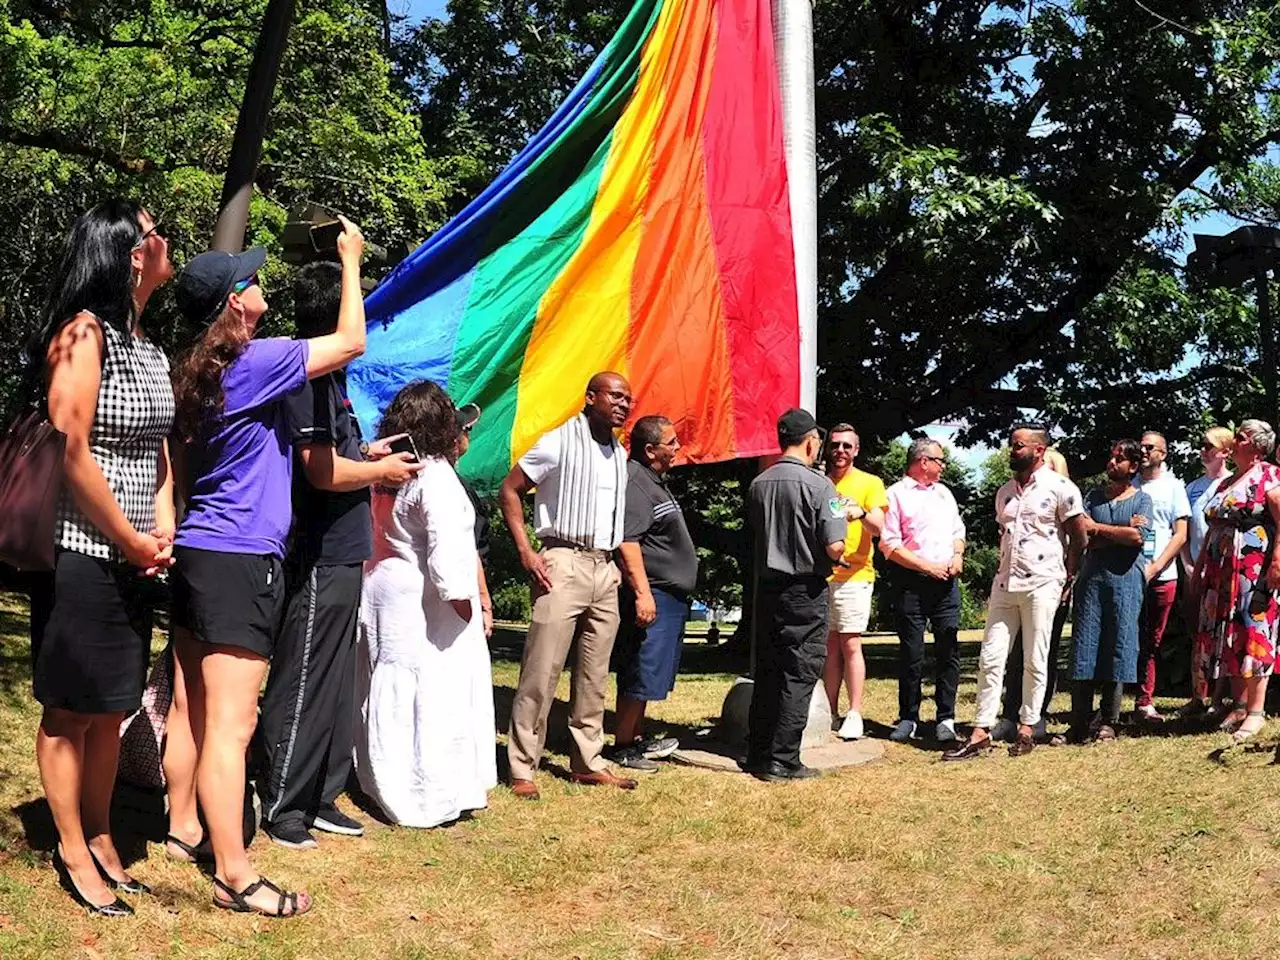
[(425, 732)]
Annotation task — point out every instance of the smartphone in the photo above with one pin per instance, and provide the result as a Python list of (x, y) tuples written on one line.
[(405, 445)]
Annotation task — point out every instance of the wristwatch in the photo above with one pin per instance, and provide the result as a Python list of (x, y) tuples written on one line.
[(364, 448)]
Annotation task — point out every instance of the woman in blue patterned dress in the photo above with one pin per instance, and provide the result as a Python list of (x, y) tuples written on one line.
[(1108, 595)]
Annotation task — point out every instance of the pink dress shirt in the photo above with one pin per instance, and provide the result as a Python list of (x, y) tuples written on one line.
[(924, 519)]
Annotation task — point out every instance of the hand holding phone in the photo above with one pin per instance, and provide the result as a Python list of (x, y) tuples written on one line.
[(405, 445)]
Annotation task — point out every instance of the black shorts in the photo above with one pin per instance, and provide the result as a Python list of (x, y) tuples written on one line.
[(90, 634), (228, 599)]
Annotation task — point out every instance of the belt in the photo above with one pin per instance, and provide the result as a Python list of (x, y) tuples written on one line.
[(550, 543)]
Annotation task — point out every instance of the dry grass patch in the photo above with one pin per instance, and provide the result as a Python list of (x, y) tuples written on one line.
[(1147, 849)]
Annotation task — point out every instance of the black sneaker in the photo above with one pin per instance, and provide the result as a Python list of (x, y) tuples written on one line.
[(774, 772), (633, 758), (332, 820), (659, 748), (290, 833)]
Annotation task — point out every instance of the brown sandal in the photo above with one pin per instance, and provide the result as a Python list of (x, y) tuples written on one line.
[(240, 901)]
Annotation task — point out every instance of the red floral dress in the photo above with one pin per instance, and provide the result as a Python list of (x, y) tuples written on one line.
[(1236, 635)]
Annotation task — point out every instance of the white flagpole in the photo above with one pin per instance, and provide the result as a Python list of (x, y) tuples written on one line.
[(793, 49)]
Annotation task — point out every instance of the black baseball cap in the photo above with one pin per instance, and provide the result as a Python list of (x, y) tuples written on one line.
[(206, 281), (468, 414), (794, 425)]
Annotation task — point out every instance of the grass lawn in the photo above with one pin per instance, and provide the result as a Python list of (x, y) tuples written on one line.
[(1150, 847)]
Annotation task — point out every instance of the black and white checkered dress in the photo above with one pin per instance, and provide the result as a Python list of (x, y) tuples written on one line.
[(135, 414)]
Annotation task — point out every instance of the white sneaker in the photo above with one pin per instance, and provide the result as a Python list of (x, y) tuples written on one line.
[(945, 731), (1149, 712), (1005, 731), (851, 729), (904, 731)]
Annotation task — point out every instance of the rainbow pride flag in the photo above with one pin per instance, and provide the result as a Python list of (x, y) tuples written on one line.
[(645, 229)]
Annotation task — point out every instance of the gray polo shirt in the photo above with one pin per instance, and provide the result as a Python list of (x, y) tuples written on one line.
[(795, 512)]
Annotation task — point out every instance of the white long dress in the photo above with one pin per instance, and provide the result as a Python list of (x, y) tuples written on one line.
[(425, 735)]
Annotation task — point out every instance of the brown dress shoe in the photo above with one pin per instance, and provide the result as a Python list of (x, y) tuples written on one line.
[(968, 751), (603, 778), (525, 789), (1022, 746)]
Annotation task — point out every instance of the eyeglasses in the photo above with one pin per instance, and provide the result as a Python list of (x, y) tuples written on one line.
[(938, 460), (155, 229), (1151, 446), (467, 428), (841, 445), (242, 285)]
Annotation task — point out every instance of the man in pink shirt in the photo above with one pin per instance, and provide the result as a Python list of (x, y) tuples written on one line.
[(923, 537)]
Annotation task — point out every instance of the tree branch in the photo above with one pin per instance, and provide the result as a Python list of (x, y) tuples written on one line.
[(60, 143)]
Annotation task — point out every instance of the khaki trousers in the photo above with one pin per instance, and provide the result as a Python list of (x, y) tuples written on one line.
[(582, 604)]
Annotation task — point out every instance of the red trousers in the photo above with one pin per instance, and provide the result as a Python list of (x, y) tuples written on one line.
[(1155, 617)]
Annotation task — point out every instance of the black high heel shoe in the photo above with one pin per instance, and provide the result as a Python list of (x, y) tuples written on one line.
[(128, 886), (117, 908)]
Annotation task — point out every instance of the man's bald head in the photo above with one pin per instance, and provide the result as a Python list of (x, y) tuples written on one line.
[(608, 401)]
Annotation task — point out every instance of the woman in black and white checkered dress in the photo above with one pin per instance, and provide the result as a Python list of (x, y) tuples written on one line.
[(108, 390)]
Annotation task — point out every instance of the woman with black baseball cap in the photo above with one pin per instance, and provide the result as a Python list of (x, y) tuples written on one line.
[(228, 589)]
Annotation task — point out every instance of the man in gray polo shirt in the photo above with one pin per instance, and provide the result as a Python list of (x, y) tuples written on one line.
[(799, 525)]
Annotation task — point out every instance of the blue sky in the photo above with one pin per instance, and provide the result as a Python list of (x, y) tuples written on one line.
[(417, 9)]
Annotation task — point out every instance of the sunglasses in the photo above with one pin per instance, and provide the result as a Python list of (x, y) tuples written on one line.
[(1208, 445), (935, 459), (242, 285), (1151, 446), (841, 445), (155, 230)]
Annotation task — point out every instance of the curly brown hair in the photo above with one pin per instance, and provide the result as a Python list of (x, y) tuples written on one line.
[(197, 377), (424, 411)]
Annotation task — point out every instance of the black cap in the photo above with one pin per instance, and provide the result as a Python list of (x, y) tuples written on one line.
[(468, 414), (794, 425), (206, 281)]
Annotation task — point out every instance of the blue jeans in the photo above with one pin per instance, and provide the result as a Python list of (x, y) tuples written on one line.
[(647, 659)]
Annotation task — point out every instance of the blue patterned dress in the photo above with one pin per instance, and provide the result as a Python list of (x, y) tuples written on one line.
[(1108, 596)]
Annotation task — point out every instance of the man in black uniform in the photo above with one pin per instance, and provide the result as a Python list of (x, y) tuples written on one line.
[(307, 708), (799, 524)]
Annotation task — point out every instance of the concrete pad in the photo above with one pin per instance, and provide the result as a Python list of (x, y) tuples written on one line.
[(832, 755)]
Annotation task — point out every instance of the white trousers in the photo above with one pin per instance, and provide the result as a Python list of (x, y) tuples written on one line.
[(1031, 612)]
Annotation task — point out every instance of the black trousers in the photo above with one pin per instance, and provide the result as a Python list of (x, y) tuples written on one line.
[(1013, 671), (790, 654), (925, 602), (306, 721)]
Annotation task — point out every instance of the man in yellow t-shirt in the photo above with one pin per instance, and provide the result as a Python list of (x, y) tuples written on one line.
[(851, 586)]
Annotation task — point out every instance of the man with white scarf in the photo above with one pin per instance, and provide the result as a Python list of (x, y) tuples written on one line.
[(578, 472)]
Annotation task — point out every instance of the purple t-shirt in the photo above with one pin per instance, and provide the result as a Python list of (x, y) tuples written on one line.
[(239, 496)]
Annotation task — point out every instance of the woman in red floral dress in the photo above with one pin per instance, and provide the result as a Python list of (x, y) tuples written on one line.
[(1238, 576)]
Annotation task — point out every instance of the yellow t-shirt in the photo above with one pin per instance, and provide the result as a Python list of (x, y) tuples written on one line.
[(866, 491)]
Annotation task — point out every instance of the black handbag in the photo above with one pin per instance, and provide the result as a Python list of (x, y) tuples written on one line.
[(31, 456)]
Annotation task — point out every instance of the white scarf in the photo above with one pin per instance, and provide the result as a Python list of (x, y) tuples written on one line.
[(579, 484)]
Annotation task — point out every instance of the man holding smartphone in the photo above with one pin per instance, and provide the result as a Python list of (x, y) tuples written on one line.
[(308, 704)]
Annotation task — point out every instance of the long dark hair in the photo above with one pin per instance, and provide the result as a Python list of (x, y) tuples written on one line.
[(93, 274), (197, 378), (424, 411)]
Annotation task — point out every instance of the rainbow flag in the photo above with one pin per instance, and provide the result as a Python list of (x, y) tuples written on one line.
[(645, 229)]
